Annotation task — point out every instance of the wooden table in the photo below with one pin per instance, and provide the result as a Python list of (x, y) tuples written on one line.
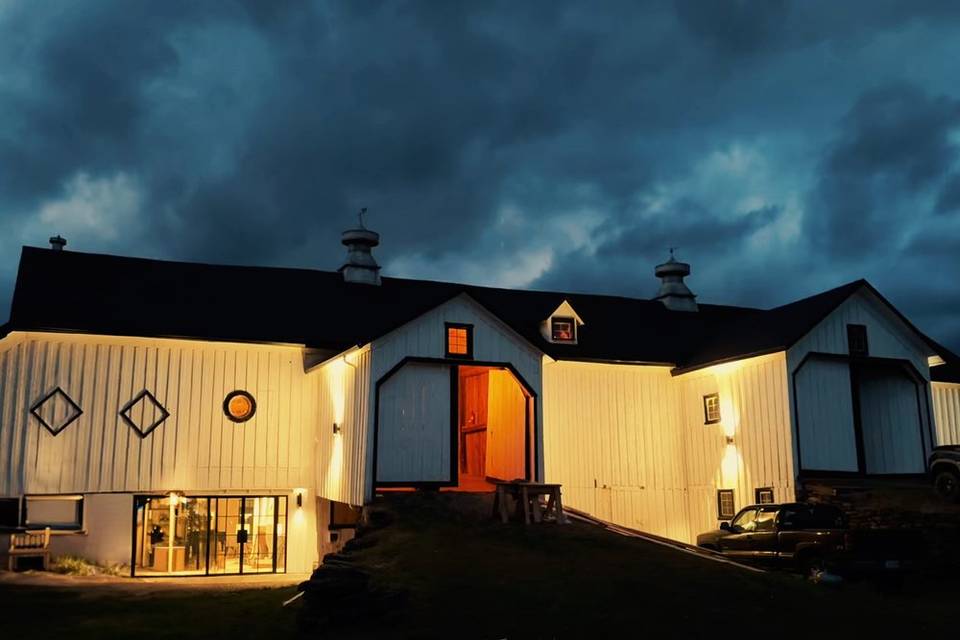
[(168, 558), (526, 496)]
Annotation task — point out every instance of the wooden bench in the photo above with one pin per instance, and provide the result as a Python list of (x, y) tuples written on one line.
[(29, 544), (526, 496)]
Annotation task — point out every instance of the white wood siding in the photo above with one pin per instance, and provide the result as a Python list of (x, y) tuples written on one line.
[(826, 401), (413, 441), (887, 335), (754, 412), (425, 337), (892, 440), (196, 448), (612, 438), (343, 398), (825, 416), (946, 407)]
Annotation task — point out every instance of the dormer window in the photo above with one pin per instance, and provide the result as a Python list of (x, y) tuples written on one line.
[(562, 326), (563, 329)]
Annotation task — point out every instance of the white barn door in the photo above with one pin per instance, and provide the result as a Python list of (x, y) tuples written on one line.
[(892, 439), (413, 431), (828, 441)]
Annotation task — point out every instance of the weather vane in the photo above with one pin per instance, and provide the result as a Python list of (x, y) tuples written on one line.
[(672, 249), (363, 210)]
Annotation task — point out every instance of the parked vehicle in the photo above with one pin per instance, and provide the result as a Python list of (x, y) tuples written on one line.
[(811, 538), (944, 465)]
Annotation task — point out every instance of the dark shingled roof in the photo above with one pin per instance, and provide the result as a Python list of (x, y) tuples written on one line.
[(112, 295)]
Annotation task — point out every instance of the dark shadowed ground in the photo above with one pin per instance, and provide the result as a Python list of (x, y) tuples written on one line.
[(455, 574)]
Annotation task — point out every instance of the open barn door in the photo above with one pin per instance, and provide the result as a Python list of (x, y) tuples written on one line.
[(414, 443)]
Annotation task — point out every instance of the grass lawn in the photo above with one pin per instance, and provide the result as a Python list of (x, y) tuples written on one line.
[(463, 576), (103, 612)]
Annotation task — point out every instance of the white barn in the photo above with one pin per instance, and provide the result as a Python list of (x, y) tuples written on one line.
[(191, 419)]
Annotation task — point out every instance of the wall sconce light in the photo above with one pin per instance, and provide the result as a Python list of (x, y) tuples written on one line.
[(729, 439), (299, 499), (336, 428)]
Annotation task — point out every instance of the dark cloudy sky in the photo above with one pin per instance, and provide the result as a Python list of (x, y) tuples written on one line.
[(785, 147)]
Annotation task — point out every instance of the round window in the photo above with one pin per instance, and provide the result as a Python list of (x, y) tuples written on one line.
[(239, 406)]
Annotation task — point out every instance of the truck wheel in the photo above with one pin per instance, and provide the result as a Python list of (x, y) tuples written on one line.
[(947, 484)]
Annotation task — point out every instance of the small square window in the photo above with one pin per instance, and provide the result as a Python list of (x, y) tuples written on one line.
[(711, 408), (563, 329), (763, 495), (459, 341), (857, 340), (56, 512), (726, 508)]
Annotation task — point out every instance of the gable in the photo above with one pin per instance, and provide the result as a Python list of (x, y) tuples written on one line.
[(888, 334), (424, 337)]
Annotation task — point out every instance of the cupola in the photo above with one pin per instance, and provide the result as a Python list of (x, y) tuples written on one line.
[(674, 293), (360, 266)]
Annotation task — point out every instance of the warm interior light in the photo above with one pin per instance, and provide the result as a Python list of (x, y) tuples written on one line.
[(457, 341), (239, 407)]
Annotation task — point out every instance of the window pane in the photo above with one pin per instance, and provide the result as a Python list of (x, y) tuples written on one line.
[(765, 520), (457, 341), (745, 520), (562, 329), (54, 512)]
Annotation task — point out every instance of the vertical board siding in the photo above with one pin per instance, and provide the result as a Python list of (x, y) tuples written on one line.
[(825, 416), (946, 407), (343, 393), (414, 433), (612, 438), (891, 424), (425, 337), (754, 412), (195, 448), (887, 335)]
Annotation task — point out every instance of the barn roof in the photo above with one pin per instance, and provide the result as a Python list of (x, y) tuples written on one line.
[(113, 295)]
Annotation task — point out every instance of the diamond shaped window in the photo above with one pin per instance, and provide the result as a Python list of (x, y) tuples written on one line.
[(144, 413), (56, 411)]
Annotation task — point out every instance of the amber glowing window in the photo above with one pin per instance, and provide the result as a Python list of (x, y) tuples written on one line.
[(239, 406), (563, 330), (459, 341), (711, 408)]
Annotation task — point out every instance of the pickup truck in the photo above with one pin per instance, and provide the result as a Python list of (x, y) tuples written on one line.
[(811, 538), (944, 465)]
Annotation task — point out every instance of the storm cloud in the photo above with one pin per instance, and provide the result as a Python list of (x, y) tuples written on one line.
[(783, 147)]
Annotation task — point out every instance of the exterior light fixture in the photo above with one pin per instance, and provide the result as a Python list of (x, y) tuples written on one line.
[(729, 439), (337, 429), (299, 498)]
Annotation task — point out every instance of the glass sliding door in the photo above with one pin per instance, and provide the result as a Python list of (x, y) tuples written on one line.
[(178, 535), (226, 535), (171, 536)]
